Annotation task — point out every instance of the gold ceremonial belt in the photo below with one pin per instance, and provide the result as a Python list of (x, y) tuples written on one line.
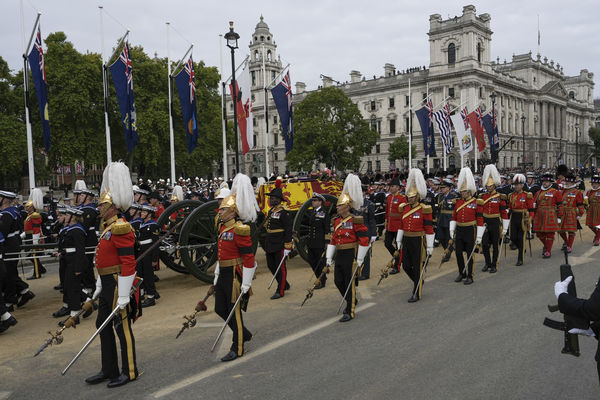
[(274, 230), (414, 234), (491, 215), (466, 223), (446, 211), (230, 263), (346, 246), (115, 269), (521, 210)]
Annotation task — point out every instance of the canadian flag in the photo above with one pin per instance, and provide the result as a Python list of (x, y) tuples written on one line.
[(244, 109)]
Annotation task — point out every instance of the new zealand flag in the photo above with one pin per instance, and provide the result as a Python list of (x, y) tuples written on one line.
[(282, 96), (425, 117), (122, 75), (186, 87), (38, 73)]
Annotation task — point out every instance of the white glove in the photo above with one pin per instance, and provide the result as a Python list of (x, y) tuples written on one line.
[(98, 288), (558, 220), (399, 237), (329, 254), (247, 275), (429, 239), (216, 274), (373, 239), (505, 223), (480, 231), (36, 237), (360, 256), (452, 229), (22, 235), (286, 252), (561, 287), (584, 332), (125, 283)]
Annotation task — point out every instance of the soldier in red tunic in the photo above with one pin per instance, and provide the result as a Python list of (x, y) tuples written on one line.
[(495, 217), (592, 200), (235, 265), (33, 229), (548, 213), (349, 243), (392, 219), (115, 263), (572, 211), (415, 236), (467, 222), (520, 204)]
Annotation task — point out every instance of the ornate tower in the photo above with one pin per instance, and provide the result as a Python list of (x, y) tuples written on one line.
[(263, 45)]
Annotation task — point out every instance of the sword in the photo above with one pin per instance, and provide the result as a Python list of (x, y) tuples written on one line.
[(226, 322), (469, 259), (104, 325), (317, 282), (422, 274), (276, 272), (190, 321), (385, 272), (348, 288)]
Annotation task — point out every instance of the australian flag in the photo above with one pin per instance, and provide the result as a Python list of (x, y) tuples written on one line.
[(425, 117), (186, 86), (282, 96), (491, 128), (38, 73), (122, 75)]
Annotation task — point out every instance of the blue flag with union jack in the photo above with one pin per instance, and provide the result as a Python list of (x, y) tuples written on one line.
[(491, 128), (38, 73), (282, 96), (122, 75), (425, 117), (186, 86)]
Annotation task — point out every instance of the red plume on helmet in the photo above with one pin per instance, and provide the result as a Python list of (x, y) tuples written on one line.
[(278, 182)]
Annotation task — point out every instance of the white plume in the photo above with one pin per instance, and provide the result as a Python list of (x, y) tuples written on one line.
[(519, 178), (491, 170), (260, 181), (245, 199), (352, 186), (416, 179), (117, 179), (37, 198), (80, 185), (178, 192), (224, 185), (466, 179)]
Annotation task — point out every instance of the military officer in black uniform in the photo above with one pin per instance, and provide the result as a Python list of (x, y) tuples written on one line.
[(445, 207), (318, 236), (148, 235), (367, 211), (531, 186), (278, 242), (89, 221), (6, 319)]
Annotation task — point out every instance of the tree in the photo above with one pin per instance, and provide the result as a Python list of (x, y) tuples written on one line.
[(594, 134), (399, 149), (329, 129)]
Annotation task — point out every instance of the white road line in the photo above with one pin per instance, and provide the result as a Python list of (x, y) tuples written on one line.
[(590, 252), (5, 395), (225, 344), (166, 391)]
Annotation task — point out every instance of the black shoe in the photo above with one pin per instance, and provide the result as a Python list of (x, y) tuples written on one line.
[(4, 325), (63, 311), (156, 295), (485, 268), (413, 299), (321, 286), (43, 270), (468, 281), (98, 378), (493, 270), (62, 323), (156, 278), (276, 296), (232, 355), (345, 318), (287, 286), (459, 278), (120, 381), (58, 287), (519, 263), (10, 308), (28, 295), (564, 246), (393, 271), (513, 246), (89, 312), (32, 277), (149, 302), (446, 258)]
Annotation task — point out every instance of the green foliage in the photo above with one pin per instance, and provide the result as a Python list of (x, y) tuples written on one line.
[(329, 129), (594, 134), (398, 149)]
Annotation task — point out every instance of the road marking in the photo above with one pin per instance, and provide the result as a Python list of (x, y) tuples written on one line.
[(259, 352), (5, 395), (590, 252)]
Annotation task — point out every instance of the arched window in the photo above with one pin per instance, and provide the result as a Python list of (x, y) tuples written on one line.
[(479, 52), (268, 55), (451, 53), (256, 55), (572, 94)]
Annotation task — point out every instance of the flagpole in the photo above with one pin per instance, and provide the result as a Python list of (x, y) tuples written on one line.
[(30, 164), (223, 119), (409, 127), (426, 144), (462, 157), (264, 71), (105, 90), (476, 144), (171, 134)]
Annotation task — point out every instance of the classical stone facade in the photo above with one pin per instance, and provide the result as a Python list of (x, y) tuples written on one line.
[(558, 110)]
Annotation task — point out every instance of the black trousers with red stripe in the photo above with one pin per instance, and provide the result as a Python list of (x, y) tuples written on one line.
[(344, 262), (464, 242), (273, 260)]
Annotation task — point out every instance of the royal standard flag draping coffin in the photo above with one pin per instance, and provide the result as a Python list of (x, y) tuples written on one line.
[(244, 109), (463, 134), (282, 96), (122, 75), (186, 86), (425, 115), (38, 73)]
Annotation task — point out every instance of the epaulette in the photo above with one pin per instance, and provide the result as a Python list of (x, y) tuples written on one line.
[(427, 209), (35, 215), (242, 229), (358, 219), (121, 227), (402, 205), (454, 201), (479, 202), (529, 195), (503, 196)]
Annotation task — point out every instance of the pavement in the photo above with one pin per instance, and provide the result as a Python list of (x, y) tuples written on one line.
[(485, 340)]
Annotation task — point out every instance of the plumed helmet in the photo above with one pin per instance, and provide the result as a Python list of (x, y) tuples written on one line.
[(466, 181), (245, 198), (36, 200), (415, 184), (177, 194), (116, 186), (491, 176), (519, 178), (351, 192)]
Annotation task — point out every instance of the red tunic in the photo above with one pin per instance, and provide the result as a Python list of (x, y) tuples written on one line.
[(592, 217), (417, 219), (235, 245), (494, 205), (116, 247), (572, 207), (33, 223), (159, 210), (521, 202), (547, 210), (349, 230), (393, 214), (468, 212)]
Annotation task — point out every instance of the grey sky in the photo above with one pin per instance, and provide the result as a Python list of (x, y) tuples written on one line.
[(324, 36)]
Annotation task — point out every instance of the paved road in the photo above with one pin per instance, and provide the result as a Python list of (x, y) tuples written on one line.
[(459, 342)]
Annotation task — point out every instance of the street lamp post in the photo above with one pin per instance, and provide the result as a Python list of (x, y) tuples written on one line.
[(494, 153), (577, 145), (523, 131), (232, 43)]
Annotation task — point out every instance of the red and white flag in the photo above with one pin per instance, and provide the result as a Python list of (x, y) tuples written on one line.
[(244, 109)]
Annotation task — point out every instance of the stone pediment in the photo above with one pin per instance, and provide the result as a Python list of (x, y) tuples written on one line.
[(554, 88)]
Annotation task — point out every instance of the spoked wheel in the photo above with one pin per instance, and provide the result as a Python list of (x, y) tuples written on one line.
[(301, 226), (198, 241), (169, 254)]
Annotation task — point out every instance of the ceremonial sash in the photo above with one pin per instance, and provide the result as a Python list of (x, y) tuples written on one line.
[(491, 197), (344, 220), (463, 205), (409, 213)]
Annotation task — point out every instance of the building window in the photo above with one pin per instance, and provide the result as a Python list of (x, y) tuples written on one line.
[(272, 75), (372, 105), (451, 53), (269, 55), (275, 139), (572, 95), (378, 126), (275, 119), (424, 95), (391, 102), (377, 165), (481, 92), (451, 92), (377, 149), (253, 78), (370, 166), (262, 38), (407, 122), (373, 123), (276, 156), (254, 140), (479, 52), (254, 122), (256, 56), (392, 126), (406, 100)]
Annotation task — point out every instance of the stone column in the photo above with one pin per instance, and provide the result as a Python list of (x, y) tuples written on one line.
[(544, 119)]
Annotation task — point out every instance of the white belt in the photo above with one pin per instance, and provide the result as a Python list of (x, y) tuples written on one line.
[(147, 241), (0, 256), (13, 234), (91, 228), (70, 250)]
